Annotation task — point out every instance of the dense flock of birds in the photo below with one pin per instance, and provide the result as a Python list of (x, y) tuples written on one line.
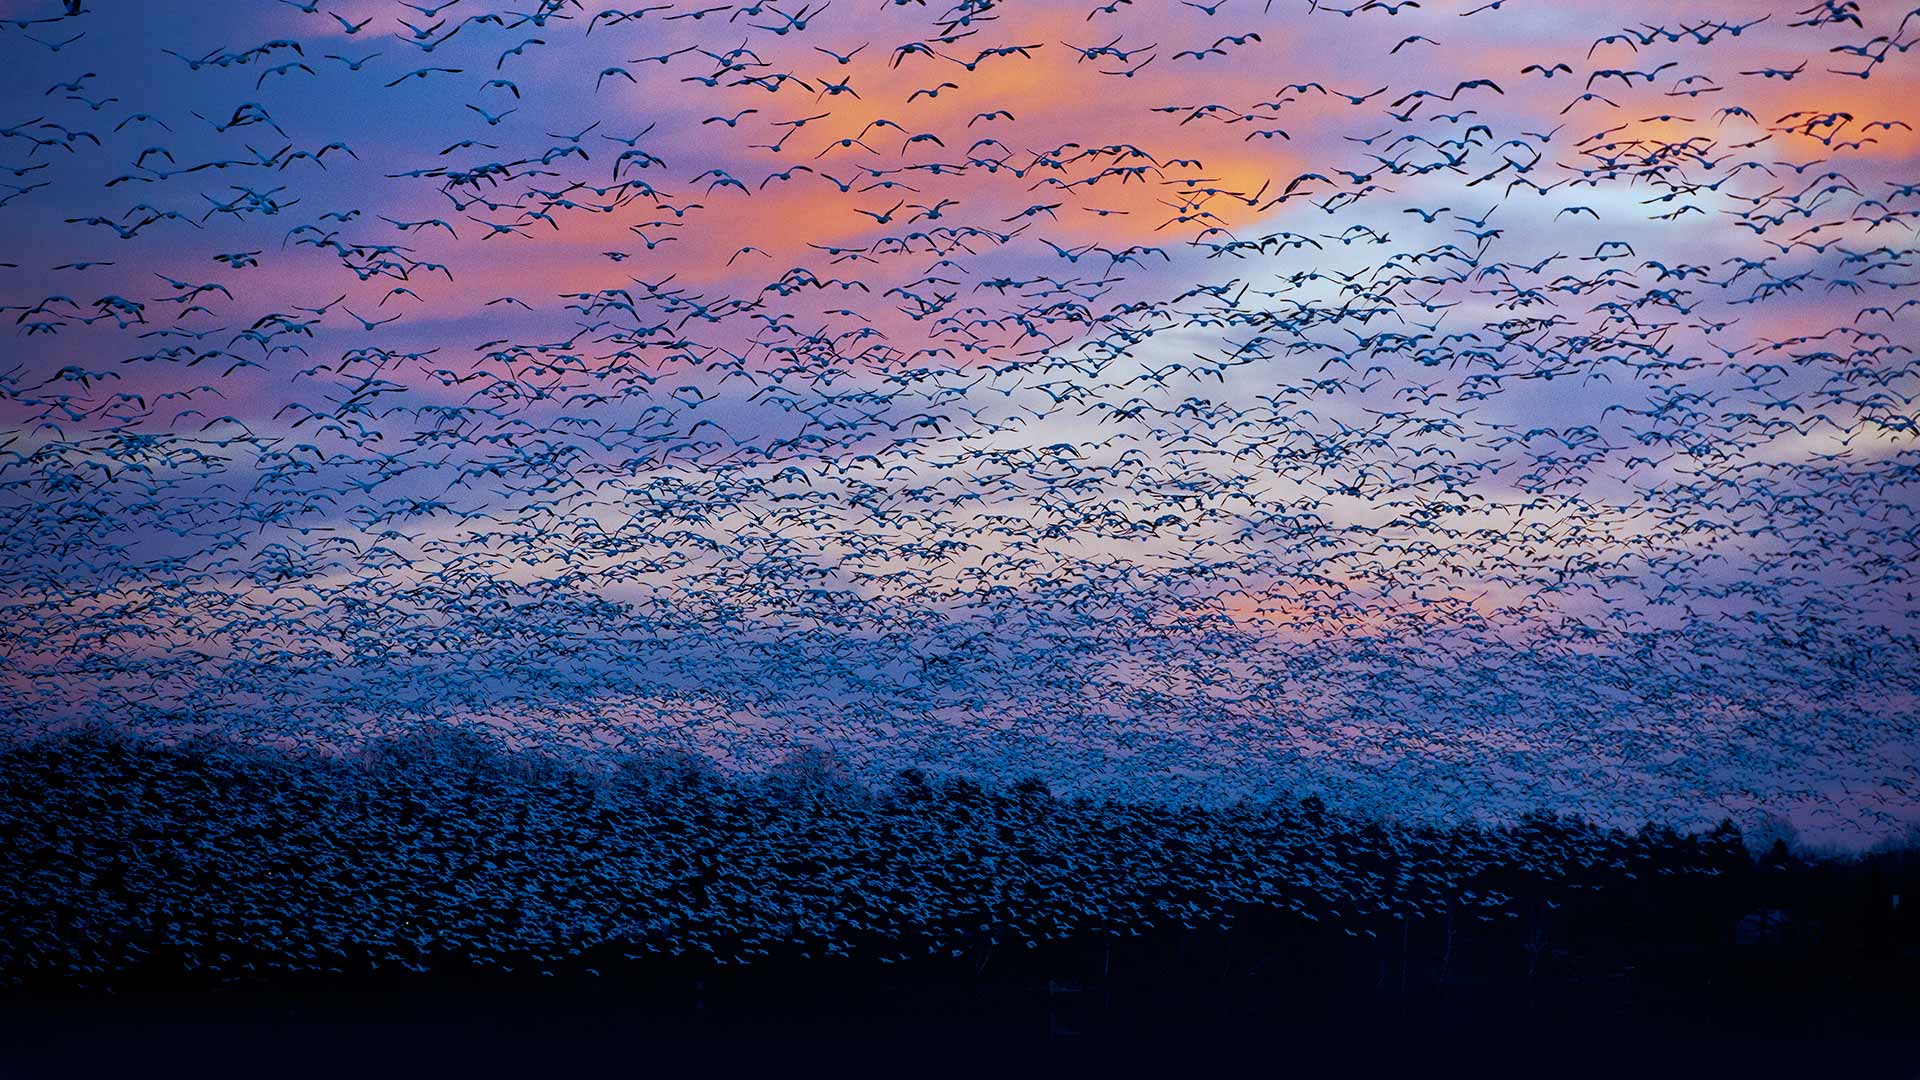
[(1446, 408), (126, 863)]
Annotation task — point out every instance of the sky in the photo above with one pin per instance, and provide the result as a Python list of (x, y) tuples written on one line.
[(1453, 409)]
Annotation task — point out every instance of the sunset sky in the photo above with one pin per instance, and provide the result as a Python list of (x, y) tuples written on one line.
[(1449, 407)]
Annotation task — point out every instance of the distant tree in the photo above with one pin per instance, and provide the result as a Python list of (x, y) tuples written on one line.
[(1770, 832), (912, 786), (808, 769), (963, 791), (464, 749), (1032, 787), (667, 769)]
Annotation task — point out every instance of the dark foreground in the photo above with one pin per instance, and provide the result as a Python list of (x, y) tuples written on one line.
[(1176, 1019), (1469, 1034), (442, 904)]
